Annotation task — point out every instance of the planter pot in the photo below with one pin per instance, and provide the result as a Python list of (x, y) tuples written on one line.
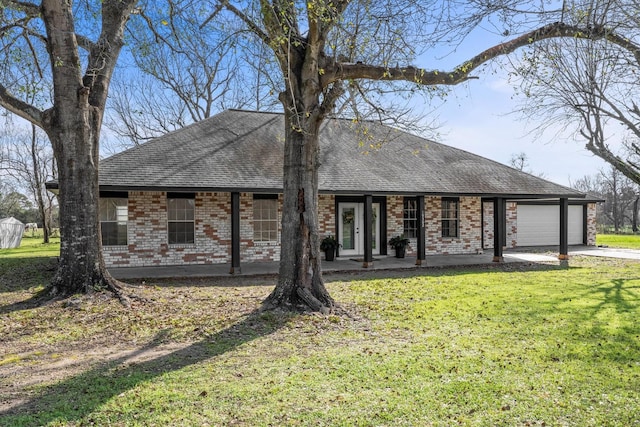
[(400, 251), (329, 254)]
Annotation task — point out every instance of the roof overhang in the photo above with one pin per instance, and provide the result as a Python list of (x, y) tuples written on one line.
[(53, 187)]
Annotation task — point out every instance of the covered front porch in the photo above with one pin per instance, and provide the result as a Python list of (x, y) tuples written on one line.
[(342, 265)]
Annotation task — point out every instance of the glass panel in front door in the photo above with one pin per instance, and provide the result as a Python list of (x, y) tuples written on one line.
[(374, 227), (349, 228)]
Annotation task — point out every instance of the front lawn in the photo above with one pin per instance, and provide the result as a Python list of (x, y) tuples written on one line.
[(32, 246), (526, 345), (626, 241)]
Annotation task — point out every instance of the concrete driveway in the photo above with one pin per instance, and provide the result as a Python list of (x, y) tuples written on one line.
[(607, 252)]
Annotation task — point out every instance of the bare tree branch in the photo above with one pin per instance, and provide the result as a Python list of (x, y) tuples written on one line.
[(27, 7), (348, 71), (246, 20), (20, 108)]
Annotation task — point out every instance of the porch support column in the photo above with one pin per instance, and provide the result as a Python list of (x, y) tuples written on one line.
[(368, 231), (420, 231), (498, 228), (564, 229), (585, 224), (235, 234)]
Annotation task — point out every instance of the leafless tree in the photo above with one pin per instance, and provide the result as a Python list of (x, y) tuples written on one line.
[(26, 156), (180, 74), (589, 87), (520, 161), (620, 195)]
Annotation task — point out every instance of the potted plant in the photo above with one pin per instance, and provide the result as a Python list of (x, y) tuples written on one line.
[(399, 243), (329, 245)]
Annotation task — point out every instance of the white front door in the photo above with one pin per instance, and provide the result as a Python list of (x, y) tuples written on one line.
[(351, 228)]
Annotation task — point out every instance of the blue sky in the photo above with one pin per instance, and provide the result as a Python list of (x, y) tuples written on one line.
[(479, 119)]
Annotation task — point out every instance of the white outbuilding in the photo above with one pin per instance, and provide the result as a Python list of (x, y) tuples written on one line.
[(11, 231)]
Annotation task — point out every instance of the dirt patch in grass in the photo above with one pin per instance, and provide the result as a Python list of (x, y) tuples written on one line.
[(50, 342), (46, 343)]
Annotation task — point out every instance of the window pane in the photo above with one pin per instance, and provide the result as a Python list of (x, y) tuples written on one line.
[(450, 221), (410, 215), (109, 233), (181, 226), (113, 220), (181, 232), (171, 209), (122, 234), (189, 206), (121, 214), (265, 220)]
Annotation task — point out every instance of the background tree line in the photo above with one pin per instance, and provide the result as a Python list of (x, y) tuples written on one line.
[(619, 211), (26, 164)]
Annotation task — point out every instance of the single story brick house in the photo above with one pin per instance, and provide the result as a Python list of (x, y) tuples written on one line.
[(212, 191)]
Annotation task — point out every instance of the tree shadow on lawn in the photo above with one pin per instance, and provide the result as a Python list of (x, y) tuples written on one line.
[(77, 397), (591, 332), (33, 302), (623, 298), (19, 274)]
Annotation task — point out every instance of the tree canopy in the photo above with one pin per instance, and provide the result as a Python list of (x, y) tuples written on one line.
[(590, 85)]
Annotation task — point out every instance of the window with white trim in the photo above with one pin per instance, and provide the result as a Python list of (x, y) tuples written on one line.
[(450, 217), (114, 216), (181, 218), (265, 218), (410, 217)]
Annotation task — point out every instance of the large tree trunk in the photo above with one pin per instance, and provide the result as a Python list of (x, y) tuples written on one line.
[(81, 267), (73, 126), (634, 217), (300, 280)]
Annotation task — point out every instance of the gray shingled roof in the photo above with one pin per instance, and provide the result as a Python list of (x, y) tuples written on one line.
[(243, 150)]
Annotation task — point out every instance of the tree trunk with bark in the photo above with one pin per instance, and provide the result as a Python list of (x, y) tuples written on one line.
[(634, 215), (300, 279), (81, 267), (73, 125)]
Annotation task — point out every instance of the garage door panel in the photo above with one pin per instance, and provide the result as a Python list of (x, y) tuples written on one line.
[(576, 229), (539, 225)]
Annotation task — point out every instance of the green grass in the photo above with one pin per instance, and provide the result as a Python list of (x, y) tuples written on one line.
[(508, 346), (627, 241), (28, 266), (31, 247)]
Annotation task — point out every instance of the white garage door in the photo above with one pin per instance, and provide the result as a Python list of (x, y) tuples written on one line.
[(539, 225)]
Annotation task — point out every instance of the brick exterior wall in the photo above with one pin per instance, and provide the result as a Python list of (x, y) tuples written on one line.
[(469, 240), (327, 215), (147, 229), (591, 224), (395, 223), (512, 224), (147, 233), (487, 225)]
